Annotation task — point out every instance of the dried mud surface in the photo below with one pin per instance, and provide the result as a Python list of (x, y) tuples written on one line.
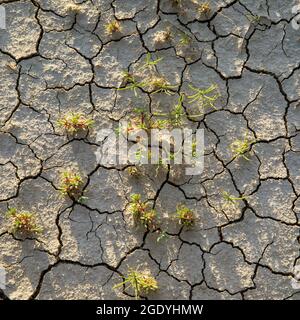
[(55, 58)]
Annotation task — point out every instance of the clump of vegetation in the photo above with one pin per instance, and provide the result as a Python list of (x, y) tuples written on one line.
[(74, 122), (71, 184), (23, 221), (154, 83), (253, 18), (163, 36), (144, 120), (141, 212), (205, 98), (150, 63), (140, 282), (160, 84), (194, 149), (148, 219), (204, 8), (175, 118), (185, 215), (230, 199), (113, 27), (162, 235), (240, 148), (131, 83), (177, 114), (133, 171), (185, 39)]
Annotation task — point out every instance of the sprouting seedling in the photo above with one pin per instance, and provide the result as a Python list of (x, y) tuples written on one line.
[(82, 199), (185, 39), (71, 184), (230, 199), (161, 165), (131, 83), (177, 114), (138, 154), (205, 98), (73, 122), (159, 84), (144, 120), (150, 63), (204, 8), (194, 149), (253, 18), (113, 26), (140, 282), (133, 171), (185, 216), (240, 148), (141, 212), (23, 221), (162, 235), (160, 124), (148, 219)]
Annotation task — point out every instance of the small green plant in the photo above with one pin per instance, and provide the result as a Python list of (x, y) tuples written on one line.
[(131, 83), (230, 199), (144, 120), (73, 122), (71, 184), (113, 26), (162, 235), (141, 212), (140, 282), (177, 114), (148, 219), (240, 148), (150, 63), (253, 18), (176, 117), (185, 40), (159, 84), (133, 171), (205, 98), (194, 149), (185, 215), (23, 221), (204, 8), (154, 83)]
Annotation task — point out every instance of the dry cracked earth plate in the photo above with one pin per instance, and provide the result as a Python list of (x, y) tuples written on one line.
[(56, 56)]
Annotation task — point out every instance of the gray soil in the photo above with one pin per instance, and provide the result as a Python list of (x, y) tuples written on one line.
[(57, 57)]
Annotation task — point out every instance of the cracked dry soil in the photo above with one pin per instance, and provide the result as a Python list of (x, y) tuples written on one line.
[(56, 56)]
